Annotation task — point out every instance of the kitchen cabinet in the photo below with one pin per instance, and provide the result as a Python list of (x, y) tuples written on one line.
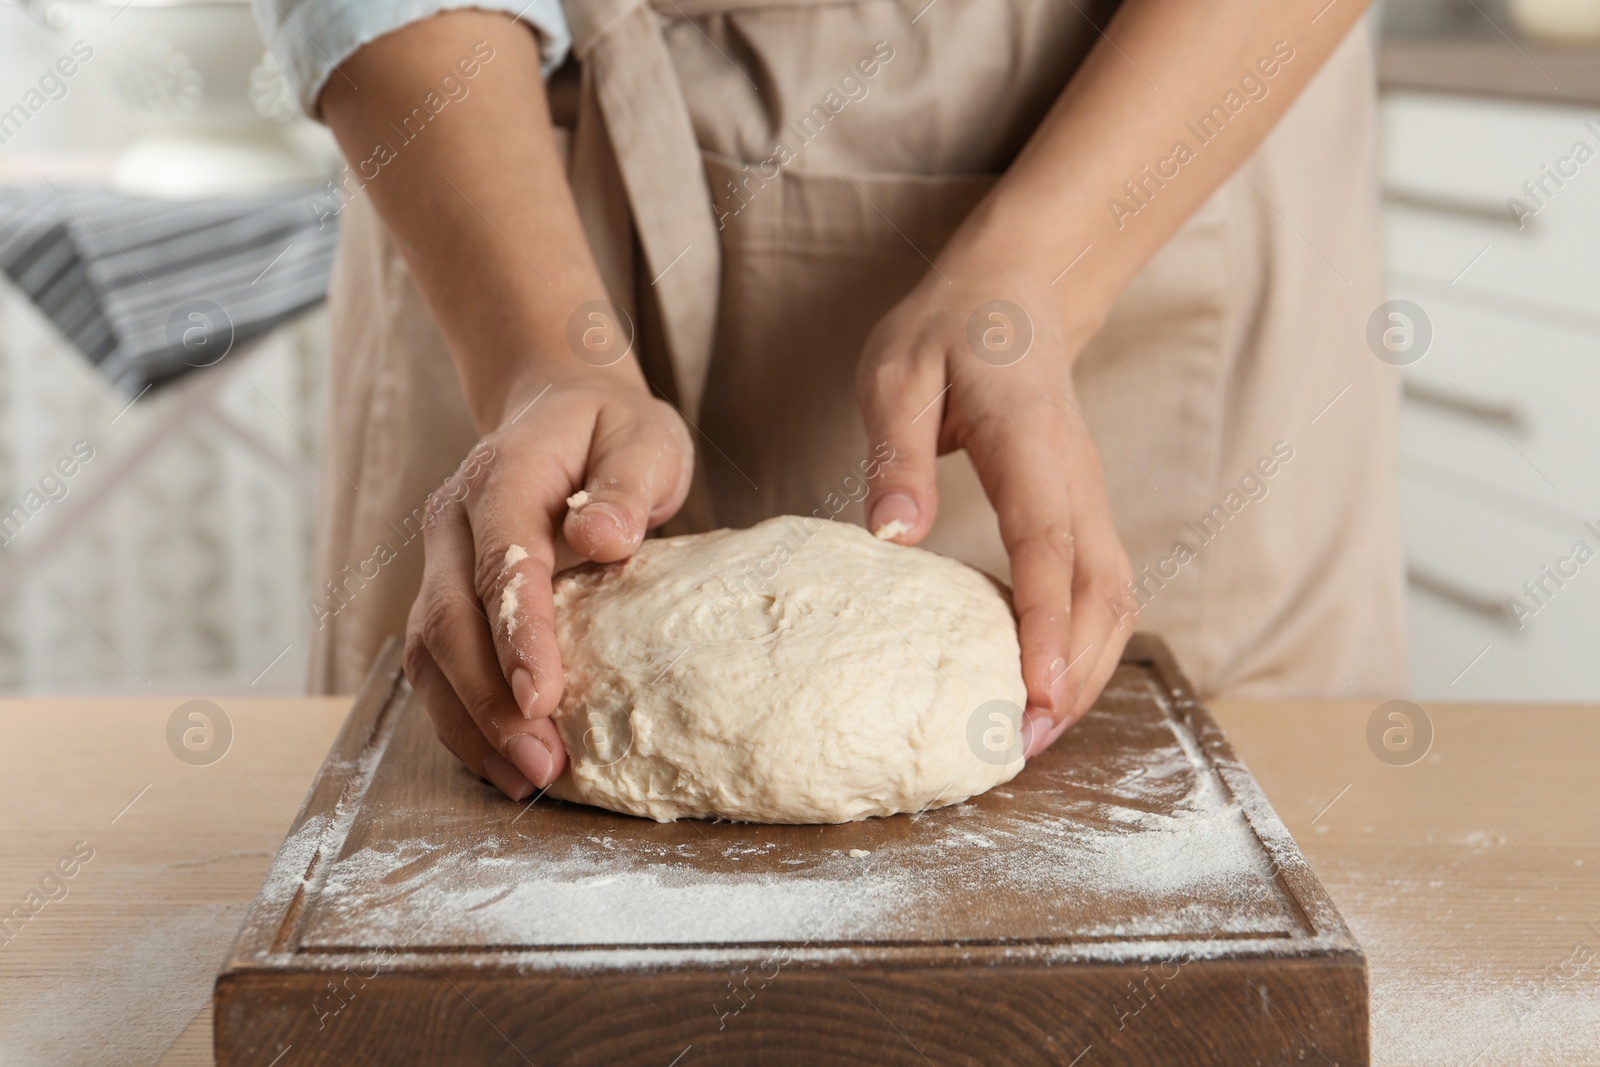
[(1491, 223)]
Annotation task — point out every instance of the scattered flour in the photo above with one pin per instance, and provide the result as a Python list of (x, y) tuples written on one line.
[(1430, 1008), (1154, 846), (139, 981)]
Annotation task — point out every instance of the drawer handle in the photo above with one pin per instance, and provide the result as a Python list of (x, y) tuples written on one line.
[(1494, 611), (1459, 207), (1499, 414)]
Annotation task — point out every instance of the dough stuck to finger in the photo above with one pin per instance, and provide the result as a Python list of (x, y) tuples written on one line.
[(509, 603), (800, 671), (890, 530)]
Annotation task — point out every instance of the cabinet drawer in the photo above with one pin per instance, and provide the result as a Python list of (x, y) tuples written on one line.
[(1465, 558), (1449, 168), (1508, 402), (1476, 148)]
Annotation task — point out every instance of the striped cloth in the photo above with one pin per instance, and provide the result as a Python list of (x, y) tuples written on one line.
[(151, 289)]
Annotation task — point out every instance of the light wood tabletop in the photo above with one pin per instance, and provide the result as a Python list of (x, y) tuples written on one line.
[(1471, 877)]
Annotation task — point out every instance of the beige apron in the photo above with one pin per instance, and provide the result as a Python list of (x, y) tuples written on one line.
[(1236, 406)]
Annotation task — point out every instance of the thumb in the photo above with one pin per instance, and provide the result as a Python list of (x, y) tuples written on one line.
[(638, 474), (902, 403)]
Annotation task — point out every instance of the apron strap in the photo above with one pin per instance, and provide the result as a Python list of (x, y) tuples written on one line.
[(629, 72)]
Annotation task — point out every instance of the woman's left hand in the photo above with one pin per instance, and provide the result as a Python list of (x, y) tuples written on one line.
[(978, 359)]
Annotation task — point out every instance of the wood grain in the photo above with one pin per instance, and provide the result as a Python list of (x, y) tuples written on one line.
[(1464, 938), (1471, 878), (121, 968), (415, 916)]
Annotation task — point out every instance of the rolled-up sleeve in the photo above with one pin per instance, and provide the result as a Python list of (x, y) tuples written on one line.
[(308, 38)]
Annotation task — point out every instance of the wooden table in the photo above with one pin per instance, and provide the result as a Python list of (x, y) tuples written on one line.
[(1472, 878)]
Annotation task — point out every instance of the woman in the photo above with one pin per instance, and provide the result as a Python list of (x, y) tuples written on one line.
[(738, 245)]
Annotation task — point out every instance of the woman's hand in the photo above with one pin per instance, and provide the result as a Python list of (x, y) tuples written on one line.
[(483, 214), (1020, 422), (480, 642), (978, 359)]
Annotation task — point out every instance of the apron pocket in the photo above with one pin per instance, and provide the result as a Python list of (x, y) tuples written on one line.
[(811, 262)]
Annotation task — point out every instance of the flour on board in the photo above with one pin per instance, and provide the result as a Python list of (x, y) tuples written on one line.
[(1159, 850)]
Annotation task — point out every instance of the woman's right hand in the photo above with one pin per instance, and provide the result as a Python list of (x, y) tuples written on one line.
[(480, 642)]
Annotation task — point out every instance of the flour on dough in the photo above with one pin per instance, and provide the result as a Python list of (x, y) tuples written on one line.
[(800, 671)]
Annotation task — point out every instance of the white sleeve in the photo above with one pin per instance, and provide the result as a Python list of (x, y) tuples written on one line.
[(308, 38)]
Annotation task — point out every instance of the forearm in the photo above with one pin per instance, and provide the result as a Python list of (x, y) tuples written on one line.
[(476, 197), (1160, 68)]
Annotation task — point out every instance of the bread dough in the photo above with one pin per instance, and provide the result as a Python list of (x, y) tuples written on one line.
[(800, 671)]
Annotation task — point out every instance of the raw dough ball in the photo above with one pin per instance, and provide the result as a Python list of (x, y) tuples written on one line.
[(799, 671)]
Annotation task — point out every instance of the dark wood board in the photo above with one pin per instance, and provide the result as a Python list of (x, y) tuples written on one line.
[(1130, 897)]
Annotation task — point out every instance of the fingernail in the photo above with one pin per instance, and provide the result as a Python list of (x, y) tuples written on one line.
[(1058, 729), (606, 513), (523, 690), (1058, 682), (892, 516), (1036, 726), (532, 759), (506, 778)]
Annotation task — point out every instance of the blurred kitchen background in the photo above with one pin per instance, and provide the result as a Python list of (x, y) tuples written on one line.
[(175, 558)]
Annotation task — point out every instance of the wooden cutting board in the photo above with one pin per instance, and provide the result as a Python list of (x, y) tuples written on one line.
[(1130, 897)]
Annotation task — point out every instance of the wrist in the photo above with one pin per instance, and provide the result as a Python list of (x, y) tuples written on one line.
[(1017, 259), (527, 379), (582, 342)]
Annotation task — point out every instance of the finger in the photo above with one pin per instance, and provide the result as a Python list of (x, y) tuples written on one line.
[(902, 404), (1102, 673), (638, 476), (1101, 622), (1036, 730), (455, 727), (452, 625), (510, 548), (1018, 456), (1048, 733), (1106, 658)]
